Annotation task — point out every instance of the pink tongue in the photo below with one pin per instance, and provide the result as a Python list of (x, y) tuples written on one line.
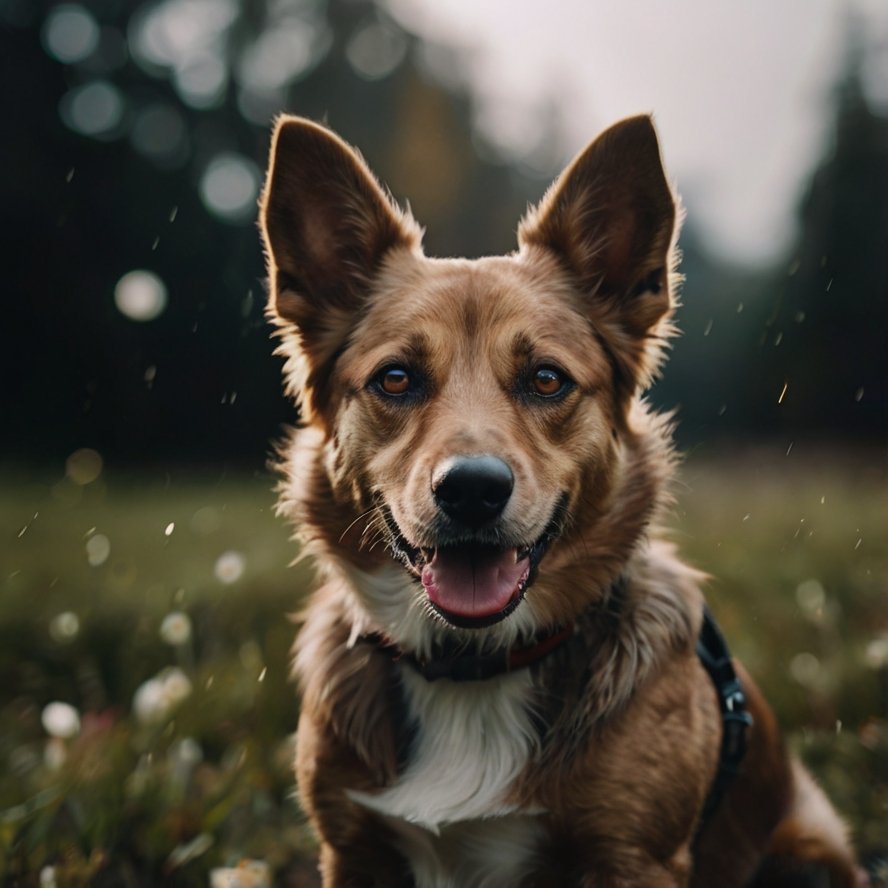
[(473, 581)]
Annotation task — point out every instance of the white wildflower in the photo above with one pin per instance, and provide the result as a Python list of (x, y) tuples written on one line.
[(61, 720), (176, 628), (156, 698), (230, 567), (247, 874)]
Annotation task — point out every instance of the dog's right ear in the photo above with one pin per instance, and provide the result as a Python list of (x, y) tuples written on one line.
[(326, 224)]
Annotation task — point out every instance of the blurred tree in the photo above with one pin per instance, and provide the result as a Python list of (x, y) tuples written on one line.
[(824, 339), (136, 140), (135, 137)]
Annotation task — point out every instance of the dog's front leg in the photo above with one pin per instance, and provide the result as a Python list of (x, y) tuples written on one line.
[(357, 850)]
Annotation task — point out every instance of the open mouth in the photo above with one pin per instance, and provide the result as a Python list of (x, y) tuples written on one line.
[(474, 584)]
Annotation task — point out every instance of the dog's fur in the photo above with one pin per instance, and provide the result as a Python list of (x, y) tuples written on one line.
[(591, 766)]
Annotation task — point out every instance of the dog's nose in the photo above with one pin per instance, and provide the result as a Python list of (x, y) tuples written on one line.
[(474, 489)]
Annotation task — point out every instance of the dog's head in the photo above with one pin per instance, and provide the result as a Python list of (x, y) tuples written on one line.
[(468, 418)]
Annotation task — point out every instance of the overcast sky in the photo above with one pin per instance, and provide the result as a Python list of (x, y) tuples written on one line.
[(740, 90)]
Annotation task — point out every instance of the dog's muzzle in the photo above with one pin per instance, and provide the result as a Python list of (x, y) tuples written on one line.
[(470, 581)]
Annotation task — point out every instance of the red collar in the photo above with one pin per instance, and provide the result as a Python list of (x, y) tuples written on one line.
[(458, 665)]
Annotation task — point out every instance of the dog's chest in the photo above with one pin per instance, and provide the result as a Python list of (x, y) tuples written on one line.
[(458, 824)]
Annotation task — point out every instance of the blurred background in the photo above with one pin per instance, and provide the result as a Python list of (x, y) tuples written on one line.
[(145, 714)]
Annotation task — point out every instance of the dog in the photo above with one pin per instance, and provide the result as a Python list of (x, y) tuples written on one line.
[(507, 677)]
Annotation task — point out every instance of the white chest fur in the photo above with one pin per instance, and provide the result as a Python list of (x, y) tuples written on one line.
[(473, 741)]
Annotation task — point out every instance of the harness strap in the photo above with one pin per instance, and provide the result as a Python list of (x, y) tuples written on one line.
[(736, 719)]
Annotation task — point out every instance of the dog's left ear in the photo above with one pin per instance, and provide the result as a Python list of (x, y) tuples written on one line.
[(611, 218)]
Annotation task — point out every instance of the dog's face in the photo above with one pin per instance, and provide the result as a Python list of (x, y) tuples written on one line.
[(467, 415)]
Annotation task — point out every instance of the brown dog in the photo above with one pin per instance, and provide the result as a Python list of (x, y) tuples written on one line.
[(503, 678)]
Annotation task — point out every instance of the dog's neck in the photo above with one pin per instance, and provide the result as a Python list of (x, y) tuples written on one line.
[(455, 662)]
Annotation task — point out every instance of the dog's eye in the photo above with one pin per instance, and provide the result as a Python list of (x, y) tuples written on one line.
[(548, 382), (394, 381)]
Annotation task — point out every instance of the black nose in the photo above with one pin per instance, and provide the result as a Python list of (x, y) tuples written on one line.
[(474, 489)]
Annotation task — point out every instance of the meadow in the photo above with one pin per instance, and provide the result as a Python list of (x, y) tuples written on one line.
[(146, 713)]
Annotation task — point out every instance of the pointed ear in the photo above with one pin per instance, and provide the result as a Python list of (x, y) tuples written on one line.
[(326, 224), (610, 218)]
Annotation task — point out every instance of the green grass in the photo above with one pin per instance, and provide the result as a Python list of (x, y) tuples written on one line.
[(797, 548)]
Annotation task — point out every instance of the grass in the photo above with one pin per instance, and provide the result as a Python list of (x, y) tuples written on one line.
[(158, 608)]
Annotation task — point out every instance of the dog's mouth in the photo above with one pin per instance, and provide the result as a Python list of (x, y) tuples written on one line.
[(474, 584)]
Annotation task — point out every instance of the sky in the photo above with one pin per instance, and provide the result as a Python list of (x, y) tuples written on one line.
[(740, 91)]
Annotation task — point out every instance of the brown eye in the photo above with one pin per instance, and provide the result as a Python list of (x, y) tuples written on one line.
[(547, 382), (394, 381)]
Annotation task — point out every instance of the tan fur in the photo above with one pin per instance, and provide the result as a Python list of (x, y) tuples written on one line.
[(590, 767)]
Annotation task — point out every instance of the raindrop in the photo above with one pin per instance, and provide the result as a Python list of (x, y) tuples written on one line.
[(708, 329), (140, 295), (858, 395), (168, 530)]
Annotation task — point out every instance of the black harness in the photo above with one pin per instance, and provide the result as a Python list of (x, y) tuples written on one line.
[(458, 664), (736, 719)]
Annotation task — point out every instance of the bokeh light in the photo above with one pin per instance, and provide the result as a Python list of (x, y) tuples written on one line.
[(140, 295), (70, 33), (376, 50), (159, 133), (201, 81), (229, 187), (98, 548), (95, 109), (83, 466), (64, 627)]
